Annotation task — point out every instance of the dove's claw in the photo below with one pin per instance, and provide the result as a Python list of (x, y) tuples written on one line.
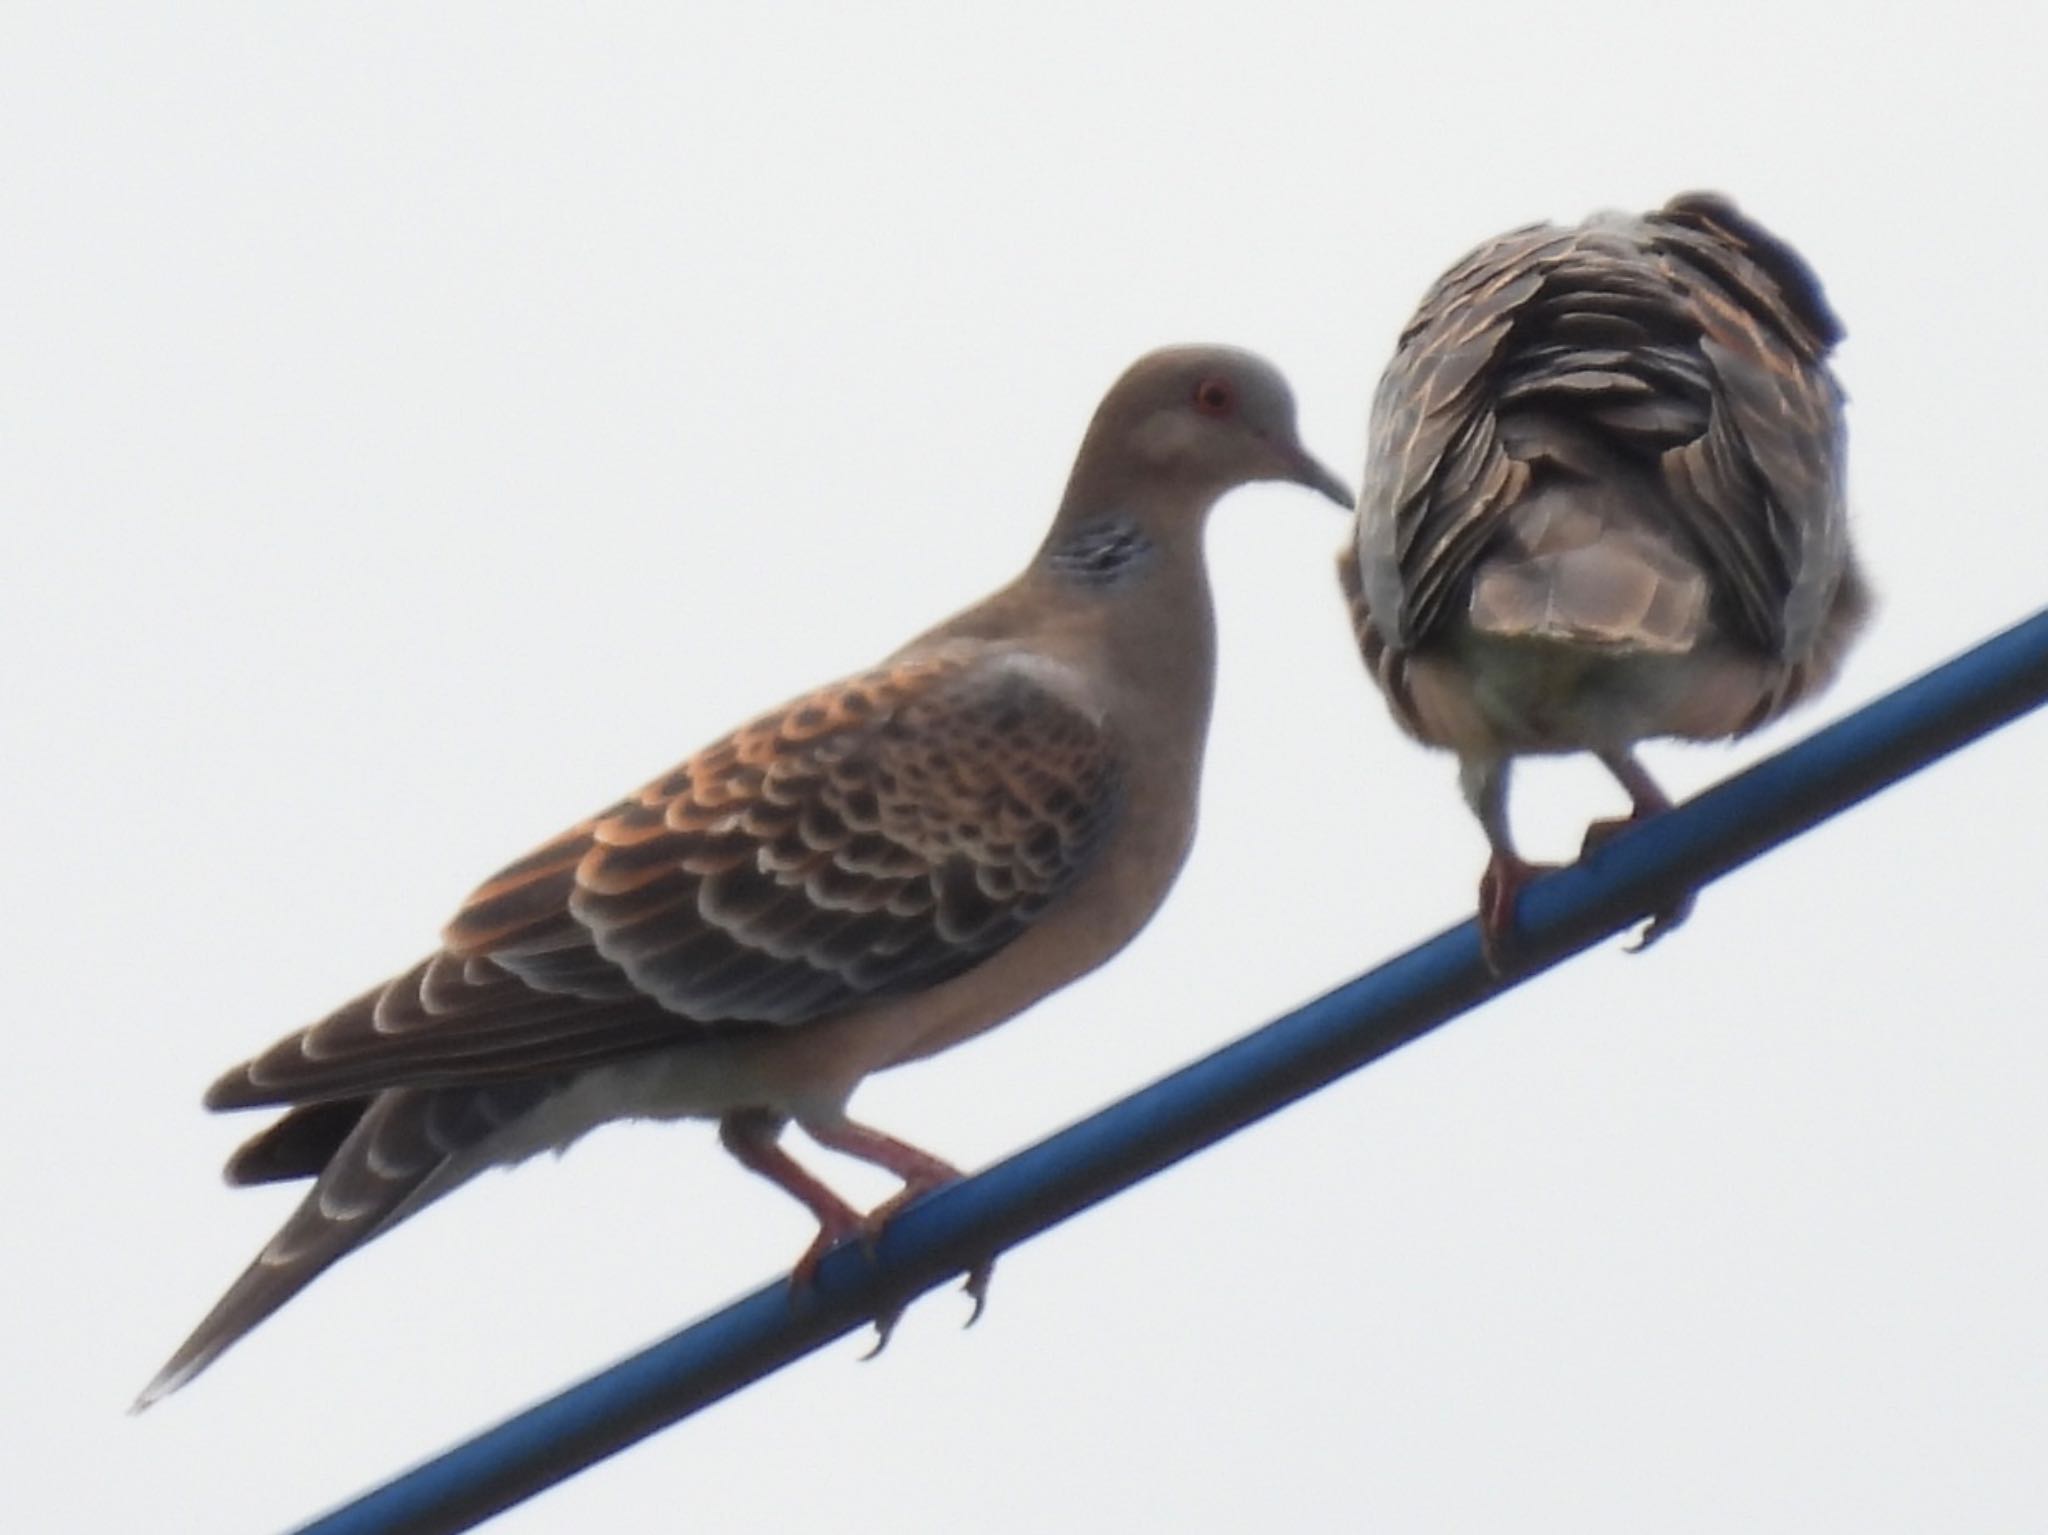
[(885, 1328), (976, 1289), (1663, 922)]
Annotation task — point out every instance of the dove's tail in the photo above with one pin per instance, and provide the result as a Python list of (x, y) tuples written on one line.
[(1583, 560), (377, 1160), (300, 1145)]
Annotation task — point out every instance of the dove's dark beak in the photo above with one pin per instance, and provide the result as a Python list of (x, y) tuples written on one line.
[(1304, 470)]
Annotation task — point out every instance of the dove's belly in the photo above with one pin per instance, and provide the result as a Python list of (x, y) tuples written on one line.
[(811, 1069), (1484, 695)]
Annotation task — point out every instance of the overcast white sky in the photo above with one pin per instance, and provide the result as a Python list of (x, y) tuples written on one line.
[(422, 424)]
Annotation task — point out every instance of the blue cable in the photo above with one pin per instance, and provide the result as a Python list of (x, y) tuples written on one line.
[(942, 1235)]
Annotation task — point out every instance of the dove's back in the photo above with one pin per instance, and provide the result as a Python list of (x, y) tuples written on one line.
[(1606, 480)]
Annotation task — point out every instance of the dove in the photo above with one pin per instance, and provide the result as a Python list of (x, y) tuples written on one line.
[(874, 872), (1603, 503)]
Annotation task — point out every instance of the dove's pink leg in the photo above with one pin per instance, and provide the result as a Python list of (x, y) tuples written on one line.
[(751, 1135), (920, 1171), (1648, 800), (1485, 782)]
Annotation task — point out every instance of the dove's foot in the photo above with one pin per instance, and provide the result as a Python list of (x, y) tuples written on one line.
[(1649, 801), (1673, 916), (977, 1281), (1499, 887)]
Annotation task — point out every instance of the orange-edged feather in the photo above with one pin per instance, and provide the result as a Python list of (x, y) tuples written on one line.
[(874, 837)]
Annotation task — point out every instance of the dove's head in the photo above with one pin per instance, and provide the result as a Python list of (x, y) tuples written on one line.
[(1187, 423)]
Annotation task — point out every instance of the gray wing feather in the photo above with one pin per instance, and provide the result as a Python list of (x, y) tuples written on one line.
[(1689, 343)]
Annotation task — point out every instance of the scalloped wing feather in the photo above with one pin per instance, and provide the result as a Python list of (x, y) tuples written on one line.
[(875, 837)]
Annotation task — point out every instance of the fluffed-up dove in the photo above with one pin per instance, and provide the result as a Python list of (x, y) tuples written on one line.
[(1604, 502), (874, 872)]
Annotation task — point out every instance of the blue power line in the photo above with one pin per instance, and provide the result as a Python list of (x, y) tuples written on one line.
[(944, 1234)]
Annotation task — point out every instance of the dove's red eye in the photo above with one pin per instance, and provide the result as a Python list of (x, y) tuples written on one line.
[(1215, 397)]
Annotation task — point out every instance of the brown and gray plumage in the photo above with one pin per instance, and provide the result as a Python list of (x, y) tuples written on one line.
[(1604, 502), (865, 876)]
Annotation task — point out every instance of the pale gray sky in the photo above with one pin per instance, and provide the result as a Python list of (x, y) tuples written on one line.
[(424, 424)]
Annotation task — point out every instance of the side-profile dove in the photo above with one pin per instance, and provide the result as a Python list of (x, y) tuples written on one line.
[(1604, 502), (872, 873)]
